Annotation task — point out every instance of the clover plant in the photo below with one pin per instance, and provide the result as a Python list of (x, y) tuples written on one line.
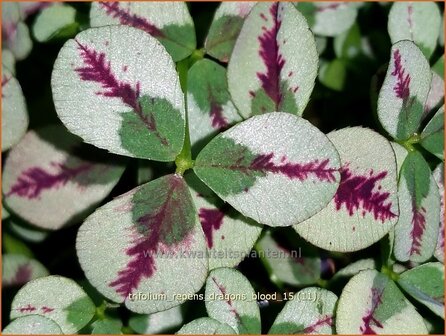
[(189, 148)]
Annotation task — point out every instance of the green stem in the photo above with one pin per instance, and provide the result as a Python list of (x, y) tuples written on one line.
[(100, 311), (409, 143), (388, 270), (184, 160)]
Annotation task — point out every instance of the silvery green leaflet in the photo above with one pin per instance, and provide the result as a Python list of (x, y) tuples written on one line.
[(229, 162)]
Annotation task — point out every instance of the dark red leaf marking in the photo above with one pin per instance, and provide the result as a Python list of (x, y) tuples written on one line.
[(113, 9), (272, 58), (33, 7), (368, 319), (5, 81), (46, 309), (9, 30), (33, 181), (156, 226), (418, 227), (327, 7), (98, 70), (27, 309), (403, 80), (356, 191), (210, 219), (328, 320), (21, 276), (228, 300), (264, 163), (218, 120)]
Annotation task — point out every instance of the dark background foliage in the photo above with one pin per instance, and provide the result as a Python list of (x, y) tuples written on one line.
[(328, 110)]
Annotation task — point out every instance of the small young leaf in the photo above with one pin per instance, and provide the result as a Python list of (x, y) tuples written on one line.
[(250, 165), (18, 269), (229, 235), (14, 113), (328, 18), (415, 21), (348, 45), (32, 325), (432, 137), (274, 63), (58, 20), (15, 246), (57, 298), (206, 326), (404, 91), (15, 33), (417, 229), (50, 180), (225, 28), (145, 242), (229, 299), (311, 311), (210, 109), (355, 267), (114, 94), (27, 232), (365, 206), (439, 179), (288, 266), (107, 326), (333, 74), (170, 23), (425, 284), (371, 303), (157, 323)]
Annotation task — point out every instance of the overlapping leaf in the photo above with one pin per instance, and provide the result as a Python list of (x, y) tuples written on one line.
[(209, 106), (145, 242), (415, 21), (417, 228), (439, 179), (249, 166), (169, 22), (114, 94), (311, 311), (206, 326), (57, 298), (365, 206), (230, 299), (225, 28), (107, 326), (55, 21), (371, 303), (404, 91), (50, 180), (274, 62), (432, 137), (32, 325), (14, 112), (15, 33), (18, 269), (27, 232), (425, 283), (286, 265), (229, 235), (328, 18), (157, 323), (435, 97)]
